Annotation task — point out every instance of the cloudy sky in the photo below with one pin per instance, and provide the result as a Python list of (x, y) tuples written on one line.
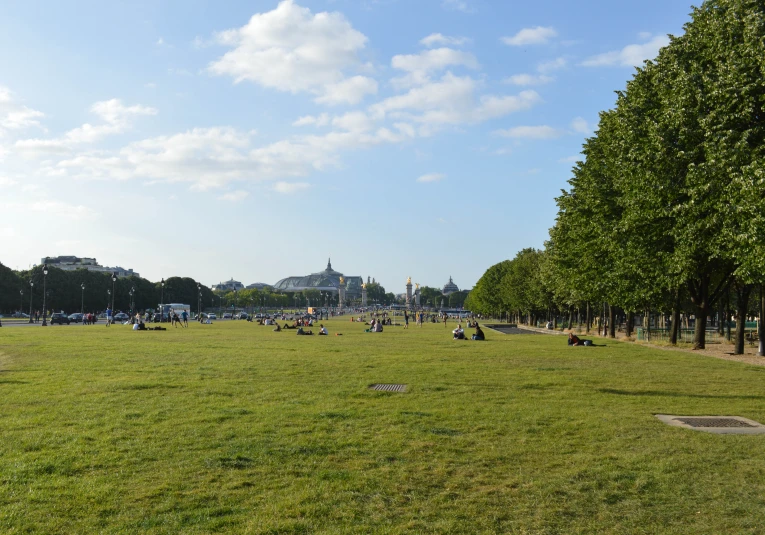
[(253, 139)]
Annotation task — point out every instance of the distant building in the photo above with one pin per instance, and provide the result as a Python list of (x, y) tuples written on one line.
[(258, 286), (450, 287), (325, 281), (73, 263), (229, 286)]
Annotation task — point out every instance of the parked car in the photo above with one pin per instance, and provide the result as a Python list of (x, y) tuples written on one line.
[(76, 317), (121, 317), (227, 316), (212, 316), (242, 316), (60, 318)]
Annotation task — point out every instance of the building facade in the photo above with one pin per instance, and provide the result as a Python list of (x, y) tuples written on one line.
[(228, 286), (73, 263), (450, 287), (323, 281)]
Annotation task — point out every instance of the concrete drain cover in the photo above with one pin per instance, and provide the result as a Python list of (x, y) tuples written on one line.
[(724, 425), (389, 388), (714, 422)]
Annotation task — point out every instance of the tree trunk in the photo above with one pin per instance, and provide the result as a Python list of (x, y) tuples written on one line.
[(742, 304), (611, 322), (727, 313), (720, 322), (571, 318), (588, 319), (760, 326), (699, 296), (630, 321), (675, 326), (647, 329)]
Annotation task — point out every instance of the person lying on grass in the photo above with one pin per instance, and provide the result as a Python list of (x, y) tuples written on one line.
[(574, 340), (300, 331)]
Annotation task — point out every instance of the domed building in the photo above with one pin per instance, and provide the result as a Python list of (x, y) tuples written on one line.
[(450, 287), (323, 281)]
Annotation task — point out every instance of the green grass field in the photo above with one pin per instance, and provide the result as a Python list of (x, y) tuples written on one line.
[(234, 428)]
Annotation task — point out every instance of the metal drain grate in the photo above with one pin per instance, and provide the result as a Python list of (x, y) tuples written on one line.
[(713, 422), (389, 388)]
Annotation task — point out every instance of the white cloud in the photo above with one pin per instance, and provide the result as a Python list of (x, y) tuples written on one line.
[(528, 79), (435, 39), (234, 196), (14, 115), (150, 85), (420, 66), (431, 177), (320, 120), (538, 35), (116, 116), (290, 187), (451, 101), (54, 209), (348, 91), (581, 126), (553, 65), (160, 42), (458, 5), (7, 182), (530, 132), (354, 121), (291, 49), (630, 55), (570, 159)]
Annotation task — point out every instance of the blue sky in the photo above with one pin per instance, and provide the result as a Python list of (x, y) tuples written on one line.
[(421, 138)]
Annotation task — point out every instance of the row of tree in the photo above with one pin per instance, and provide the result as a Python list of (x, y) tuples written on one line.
[(666, 211), (72, 291)]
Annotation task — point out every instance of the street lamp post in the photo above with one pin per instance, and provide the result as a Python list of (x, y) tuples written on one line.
[(21, 301), (161, 300), (82, 304), (199, 302), (130, 293), (45, 310), (114, 292), (236, 303), (31, 294)]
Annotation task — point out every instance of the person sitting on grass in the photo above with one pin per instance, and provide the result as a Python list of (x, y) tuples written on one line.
[(278, 329), (323, 330), (459, 333), (478, 332)]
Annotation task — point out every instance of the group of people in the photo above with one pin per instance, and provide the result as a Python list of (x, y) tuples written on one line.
[(182, 320), (375, 326), (459, 332)]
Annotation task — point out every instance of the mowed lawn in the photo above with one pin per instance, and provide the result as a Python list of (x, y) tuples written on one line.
[(234, 428)]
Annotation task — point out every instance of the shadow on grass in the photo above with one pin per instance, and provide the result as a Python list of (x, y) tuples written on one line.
[(662, 393)]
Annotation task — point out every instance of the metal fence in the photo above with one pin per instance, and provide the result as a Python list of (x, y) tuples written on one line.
[(686, 335)]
